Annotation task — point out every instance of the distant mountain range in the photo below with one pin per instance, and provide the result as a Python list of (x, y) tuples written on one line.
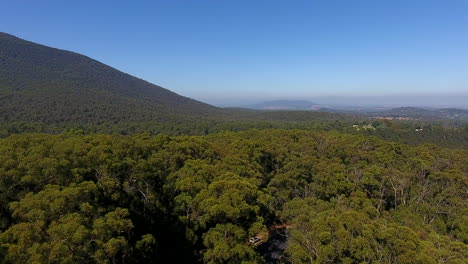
[(380, 112)]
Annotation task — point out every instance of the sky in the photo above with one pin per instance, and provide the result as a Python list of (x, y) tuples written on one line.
[(241, 51)]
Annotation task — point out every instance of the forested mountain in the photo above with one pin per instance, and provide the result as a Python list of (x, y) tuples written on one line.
[(74, 198), (52, 86), (44, 89)]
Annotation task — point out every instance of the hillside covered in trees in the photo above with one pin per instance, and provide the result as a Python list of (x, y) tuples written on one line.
[(74, 198), (48, 85)]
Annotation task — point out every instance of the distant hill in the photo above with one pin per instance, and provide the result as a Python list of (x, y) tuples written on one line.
[(420, 113), (286, 105), (48, 85)]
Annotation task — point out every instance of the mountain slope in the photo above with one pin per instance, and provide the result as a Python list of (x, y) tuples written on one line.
[(39, 83)]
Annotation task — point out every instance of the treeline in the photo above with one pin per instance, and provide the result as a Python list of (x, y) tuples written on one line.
[(74, 198), (445, 134)]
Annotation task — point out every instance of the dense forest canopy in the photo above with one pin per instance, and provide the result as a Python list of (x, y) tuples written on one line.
[(75, 198), (408, 132)]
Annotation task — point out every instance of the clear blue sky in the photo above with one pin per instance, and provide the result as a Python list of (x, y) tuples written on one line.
[(227, 50)]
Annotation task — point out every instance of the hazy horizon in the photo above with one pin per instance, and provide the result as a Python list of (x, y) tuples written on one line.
[(394, 100)]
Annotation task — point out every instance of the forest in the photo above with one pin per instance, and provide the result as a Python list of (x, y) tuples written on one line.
[(76, 197)]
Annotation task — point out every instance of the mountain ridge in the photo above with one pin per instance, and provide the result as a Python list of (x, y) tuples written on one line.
[(35, 76)]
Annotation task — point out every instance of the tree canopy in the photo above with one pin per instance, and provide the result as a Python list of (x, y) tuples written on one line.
[(76, 198)]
